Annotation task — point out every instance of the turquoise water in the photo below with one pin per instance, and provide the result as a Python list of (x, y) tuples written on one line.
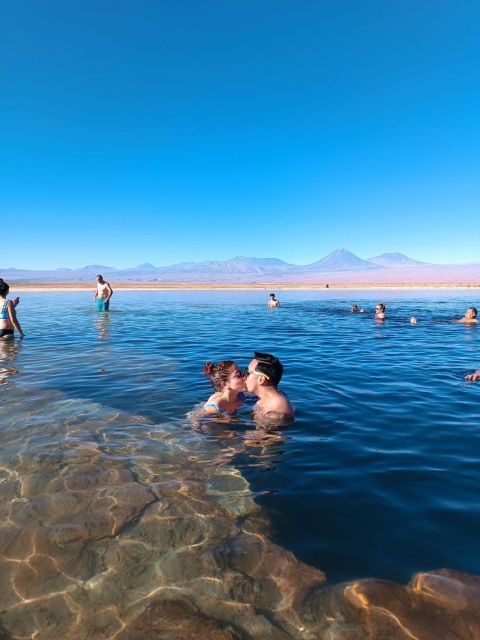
[(377, 477)]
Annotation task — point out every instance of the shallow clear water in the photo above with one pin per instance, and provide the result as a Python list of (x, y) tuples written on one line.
[(377, 477)]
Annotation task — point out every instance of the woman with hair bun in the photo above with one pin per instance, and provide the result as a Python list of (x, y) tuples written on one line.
[(8, 317), (228, 381)]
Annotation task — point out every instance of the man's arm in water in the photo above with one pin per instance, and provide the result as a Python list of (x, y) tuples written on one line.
[(473, 377), (109, 292), (13, 318)]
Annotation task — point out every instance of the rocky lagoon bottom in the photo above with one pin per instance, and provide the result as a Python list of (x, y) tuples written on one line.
[(121, 519)]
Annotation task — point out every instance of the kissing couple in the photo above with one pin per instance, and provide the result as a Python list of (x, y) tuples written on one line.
[(261, 378)]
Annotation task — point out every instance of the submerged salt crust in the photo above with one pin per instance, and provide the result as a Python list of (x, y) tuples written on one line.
[(121, 519)]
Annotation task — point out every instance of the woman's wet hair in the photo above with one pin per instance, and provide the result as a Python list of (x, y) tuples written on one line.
[(4, 288), (218, 373)]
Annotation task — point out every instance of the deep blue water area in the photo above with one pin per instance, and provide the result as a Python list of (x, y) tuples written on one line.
[(379, 475)]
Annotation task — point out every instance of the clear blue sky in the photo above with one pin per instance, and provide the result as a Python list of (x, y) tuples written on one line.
[(177, 130)]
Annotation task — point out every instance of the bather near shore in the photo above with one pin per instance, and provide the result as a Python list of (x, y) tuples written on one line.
[(470, 317)]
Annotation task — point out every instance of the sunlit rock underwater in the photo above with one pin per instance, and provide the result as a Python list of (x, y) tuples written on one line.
[(107, 538)]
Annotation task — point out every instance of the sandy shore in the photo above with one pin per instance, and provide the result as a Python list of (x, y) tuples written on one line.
[(149, 286)]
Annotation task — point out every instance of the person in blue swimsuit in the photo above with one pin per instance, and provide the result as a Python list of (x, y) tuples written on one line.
[(228, 381), (8, 316), (103, 294)]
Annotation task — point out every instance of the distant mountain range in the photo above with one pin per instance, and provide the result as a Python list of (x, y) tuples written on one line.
[(394, 260), (340, 266)]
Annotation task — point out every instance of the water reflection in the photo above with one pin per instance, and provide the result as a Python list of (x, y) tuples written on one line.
[(8, 353), (102, 324), (241, 442), (261, 439)]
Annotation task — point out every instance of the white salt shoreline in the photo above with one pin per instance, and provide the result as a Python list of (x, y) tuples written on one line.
[(30, 288)]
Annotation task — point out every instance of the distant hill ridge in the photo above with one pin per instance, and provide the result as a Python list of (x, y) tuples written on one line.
[(340, 265), (394, 260), (341, 260)]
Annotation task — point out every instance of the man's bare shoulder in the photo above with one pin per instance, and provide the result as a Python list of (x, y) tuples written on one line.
[(279, 403)]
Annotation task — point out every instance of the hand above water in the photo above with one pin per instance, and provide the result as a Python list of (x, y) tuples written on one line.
[(473, 376)]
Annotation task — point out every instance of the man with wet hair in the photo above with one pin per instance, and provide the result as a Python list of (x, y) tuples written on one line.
[(470, 316), (380, 311), (273, 408), (272, 301)]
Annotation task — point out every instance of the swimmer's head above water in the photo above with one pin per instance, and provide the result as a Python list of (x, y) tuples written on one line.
[(224, 373), (470, 316), (266, 367), (380, 311)]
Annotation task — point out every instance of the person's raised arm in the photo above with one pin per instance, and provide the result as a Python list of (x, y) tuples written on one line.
[(109, 292), (13, 317)]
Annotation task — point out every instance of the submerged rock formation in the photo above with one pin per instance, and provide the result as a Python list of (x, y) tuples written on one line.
[(117, 529)]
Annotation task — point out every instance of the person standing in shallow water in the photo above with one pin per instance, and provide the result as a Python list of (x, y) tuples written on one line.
[(103, 294), (273, 408), (8, 317), (272, 301)]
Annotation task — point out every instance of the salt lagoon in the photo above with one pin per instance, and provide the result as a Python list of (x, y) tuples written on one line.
[(119, 514)]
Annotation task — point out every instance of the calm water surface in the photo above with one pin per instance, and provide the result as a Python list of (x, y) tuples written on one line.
[(379, 475)]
